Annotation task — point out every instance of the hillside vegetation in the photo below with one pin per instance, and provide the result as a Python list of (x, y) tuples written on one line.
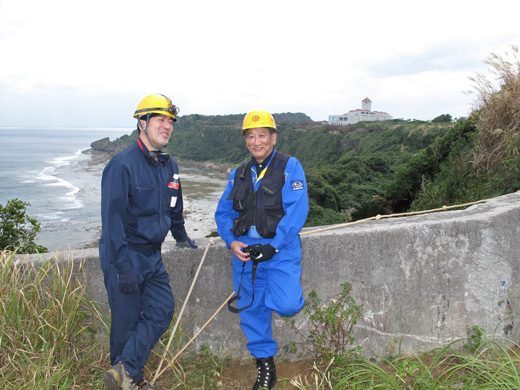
[(372, 168), (345, 165)]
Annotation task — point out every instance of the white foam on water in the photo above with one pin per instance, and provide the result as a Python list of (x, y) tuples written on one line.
[(49, 174)]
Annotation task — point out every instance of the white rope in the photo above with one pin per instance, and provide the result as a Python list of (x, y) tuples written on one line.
[(379, 216), (170, 362)]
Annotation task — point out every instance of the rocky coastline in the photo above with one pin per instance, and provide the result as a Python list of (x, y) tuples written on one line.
[(103, 149), (207, 166)]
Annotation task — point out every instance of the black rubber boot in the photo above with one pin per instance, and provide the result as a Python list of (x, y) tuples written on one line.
[(266, 374)]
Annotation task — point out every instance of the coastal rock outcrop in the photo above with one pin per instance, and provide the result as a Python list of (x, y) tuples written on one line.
[(104, 145)]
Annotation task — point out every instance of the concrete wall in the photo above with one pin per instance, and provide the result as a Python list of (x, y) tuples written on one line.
[(424, 280)]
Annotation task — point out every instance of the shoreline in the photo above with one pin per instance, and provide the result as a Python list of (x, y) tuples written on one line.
[(98, 157)]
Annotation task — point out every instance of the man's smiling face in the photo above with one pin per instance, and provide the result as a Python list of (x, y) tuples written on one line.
[(160, 128), (260, 142)]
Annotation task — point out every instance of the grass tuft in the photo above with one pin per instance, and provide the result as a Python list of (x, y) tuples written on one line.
[(48, 325)]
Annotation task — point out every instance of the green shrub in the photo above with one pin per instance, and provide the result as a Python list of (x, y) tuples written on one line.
[(17, 229), (331, 324), (320, 216)]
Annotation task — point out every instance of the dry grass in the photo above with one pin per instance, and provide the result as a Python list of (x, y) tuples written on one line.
[(48, 326), (497, 111)]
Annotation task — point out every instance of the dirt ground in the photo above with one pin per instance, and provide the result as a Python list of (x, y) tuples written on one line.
[(241, 374)]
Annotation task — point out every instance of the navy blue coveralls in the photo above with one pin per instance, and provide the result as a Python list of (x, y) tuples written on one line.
[(277, 284), (140, 203)]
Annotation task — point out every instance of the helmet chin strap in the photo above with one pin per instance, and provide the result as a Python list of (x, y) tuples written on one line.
[(146, 132)]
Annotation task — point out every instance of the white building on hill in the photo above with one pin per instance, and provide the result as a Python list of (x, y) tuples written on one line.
[(363, 114)]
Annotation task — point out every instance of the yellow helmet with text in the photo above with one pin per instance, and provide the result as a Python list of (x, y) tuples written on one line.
[(258, 118), (156, 104)]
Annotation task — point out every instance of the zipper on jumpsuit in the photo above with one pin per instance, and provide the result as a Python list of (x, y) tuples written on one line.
[(158, 181), (254, 199)]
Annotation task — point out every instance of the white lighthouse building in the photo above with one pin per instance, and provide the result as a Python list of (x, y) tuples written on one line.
[(358, 115)]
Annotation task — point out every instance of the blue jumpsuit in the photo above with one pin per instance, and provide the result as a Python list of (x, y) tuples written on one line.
[(139, 205), (277, 284)]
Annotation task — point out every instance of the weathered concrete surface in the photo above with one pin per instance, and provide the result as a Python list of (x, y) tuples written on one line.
[(424, 280)]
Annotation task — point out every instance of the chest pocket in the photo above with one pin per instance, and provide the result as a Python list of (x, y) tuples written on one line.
[(144, 200), (270, 207), (271, 194), (239, 194)]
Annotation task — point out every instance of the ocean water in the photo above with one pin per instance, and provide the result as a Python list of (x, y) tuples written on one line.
[(53, 170)]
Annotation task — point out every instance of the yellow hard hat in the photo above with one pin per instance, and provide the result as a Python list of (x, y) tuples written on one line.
[(258, 118), (156, 104)]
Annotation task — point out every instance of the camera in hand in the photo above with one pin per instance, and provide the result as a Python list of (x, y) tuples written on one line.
[(252, 250)]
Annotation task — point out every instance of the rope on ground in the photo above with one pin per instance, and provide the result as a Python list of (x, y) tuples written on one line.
[(167, 350), (170, 362)]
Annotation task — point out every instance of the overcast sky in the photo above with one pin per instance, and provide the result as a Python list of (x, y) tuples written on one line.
[(88, 63)]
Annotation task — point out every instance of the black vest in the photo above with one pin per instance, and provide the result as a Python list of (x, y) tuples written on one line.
[(263, 208)]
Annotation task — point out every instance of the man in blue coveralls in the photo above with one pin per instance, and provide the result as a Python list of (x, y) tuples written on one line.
[(141, 200), (259, 216)]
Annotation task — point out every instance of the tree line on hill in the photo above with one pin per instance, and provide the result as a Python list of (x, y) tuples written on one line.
[(348, 168)]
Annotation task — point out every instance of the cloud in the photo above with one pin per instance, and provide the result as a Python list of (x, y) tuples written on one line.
[(231, 56)]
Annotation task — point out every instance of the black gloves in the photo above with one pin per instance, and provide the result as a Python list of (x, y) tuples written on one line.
[(129, 281), (260, 252), (188, 242)]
